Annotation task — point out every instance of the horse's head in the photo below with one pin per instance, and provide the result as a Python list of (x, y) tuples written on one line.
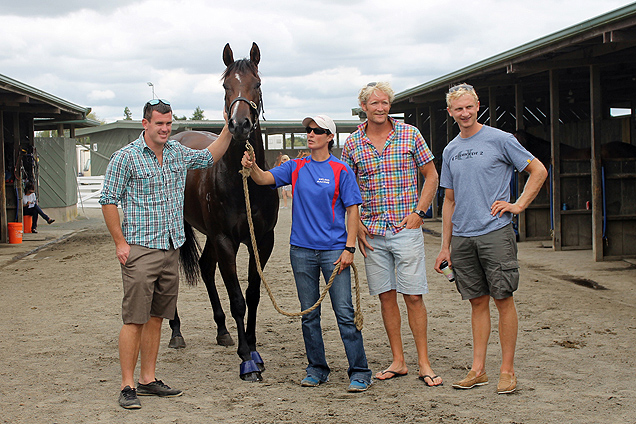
[(243, 98)]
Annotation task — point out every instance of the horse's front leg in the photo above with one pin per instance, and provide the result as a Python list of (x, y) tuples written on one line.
[(226, 253), (253, 293), (207, 264)]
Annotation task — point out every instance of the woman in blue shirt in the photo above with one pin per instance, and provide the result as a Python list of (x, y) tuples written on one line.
[(325, 192)]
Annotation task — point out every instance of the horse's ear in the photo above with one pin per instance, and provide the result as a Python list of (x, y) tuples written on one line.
[(228, 56), (255, 54)]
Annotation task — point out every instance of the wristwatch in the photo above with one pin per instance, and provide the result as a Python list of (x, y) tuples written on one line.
[(420, 213), (350, 249)]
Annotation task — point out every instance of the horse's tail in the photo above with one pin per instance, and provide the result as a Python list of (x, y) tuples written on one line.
[(189, 255)]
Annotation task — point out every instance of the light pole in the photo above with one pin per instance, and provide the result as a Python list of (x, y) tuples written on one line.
[(153, 89)]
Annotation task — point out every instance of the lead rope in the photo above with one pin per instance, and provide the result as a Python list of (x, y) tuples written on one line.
[(358, 319)]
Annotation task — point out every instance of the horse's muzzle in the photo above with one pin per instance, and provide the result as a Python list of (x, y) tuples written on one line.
[(240, 128)]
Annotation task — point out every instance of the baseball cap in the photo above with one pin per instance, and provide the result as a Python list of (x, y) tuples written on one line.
[(323, 121)]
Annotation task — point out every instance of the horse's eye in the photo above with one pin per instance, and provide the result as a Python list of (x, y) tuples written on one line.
[(258, 85)]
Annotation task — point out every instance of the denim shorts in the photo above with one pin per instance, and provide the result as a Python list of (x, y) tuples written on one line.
[(486, 264), (397, 263), (151, 284)]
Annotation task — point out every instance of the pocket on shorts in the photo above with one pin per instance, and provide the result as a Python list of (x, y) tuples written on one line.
[(508, 280)]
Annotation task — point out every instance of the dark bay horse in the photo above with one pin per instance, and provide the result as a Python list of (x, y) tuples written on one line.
[(215, 206)]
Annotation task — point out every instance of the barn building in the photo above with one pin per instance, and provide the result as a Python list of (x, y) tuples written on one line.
[(572, 93), (45, 162)]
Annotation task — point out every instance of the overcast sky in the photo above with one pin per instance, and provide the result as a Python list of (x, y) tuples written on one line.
[(315, 55)]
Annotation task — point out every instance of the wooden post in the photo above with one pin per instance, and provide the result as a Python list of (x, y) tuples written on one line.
[(17, 164), (432, 140), (556, 158), (596, 118), (3, 188), (449, 128), (492, 106), (519, 126)]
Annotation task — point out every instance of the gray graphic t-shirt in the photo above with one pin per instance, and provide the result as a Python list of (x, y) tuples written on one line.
[(479, 169)]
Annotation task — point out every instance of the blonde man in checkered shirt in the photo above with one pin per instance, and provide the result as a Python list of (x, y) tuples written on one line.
[(386, 156)]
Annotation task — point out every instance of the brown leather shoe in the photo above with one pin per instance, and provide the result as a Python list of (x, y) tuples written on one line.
[(471, 380), (507, 383)]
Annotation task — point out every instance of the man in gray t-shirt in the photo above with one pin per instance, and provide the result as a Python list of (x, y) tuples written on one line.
[(477, 236)]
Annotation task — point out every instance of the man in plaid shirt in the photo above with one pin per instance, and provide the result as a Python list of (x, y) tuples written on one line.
[(386, 156), (148, 178)]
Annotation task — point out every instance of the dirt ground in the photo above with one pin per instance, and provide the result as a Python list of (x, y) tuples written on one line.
[(59, 361)]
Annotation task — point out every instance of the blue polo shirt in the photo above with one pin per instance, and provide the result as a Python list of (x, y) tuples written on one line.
[(321, 191)]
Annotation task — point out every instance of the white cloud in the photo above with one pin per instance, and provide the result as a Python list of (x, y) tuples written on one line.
[(97, 95), (314, 55)]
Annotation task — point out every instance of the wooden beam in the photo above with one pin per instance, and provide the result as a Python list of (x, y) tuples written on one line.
[(3, 188), (519, 107), (18, 159), (432, 140), (596, 118), (492, 106), (556, 158)]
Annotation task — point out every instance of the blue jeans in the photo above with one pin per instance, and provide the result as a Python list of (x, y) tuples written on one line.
[(307, 265)]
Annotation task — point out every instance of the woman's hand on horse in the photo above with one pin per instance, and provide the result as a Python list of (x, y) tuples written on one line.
[(247, 160)]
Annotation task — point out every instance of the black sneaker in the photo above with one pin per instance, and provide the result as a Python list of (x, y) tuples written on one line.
[(128, 399), (157, 388)]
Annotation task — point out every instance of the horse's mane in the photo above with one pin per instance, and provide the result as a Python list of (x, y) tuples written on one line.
[(241, 66)]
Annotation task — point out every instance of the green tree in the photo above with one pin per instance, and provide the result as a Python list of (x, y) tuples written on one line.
[(127, 114), (198, 114), (94, 117), (180, 118)]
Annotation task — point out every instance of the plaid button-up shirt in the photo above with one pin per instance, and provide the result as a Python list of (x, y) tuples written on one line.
[(388, 180), (151, 195)]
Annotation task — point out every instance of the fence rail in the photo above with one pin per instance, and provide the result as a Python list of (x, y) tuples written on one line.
[(88, 190)]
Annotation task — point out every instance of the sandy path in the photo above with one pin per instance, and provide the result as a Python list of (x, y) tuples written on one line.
[(59, 360)]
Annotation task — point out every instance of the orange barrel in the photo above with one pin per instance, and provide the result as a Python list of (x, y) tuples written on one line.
[(28, 223), (15, 232)]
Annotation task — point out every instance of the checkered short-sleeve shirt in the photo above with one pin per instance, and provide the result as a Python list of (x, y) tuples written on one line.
[(387, 180)]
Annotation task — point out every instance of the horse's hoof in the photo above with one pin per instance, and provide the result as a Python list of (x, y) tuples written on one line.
[(224, 340), (252, 377), (256, 357), (250, 371), (177, 342)]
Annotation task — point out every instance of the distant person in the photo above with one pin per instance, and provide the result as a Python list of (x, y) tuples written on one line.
[(148, 178), (30, 207), (477, 235), (387, 156), (325, 190), (286, 190)]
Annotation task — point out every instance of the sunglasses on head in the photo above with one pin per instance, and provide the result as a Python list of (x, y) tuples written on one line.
[(155, 102), (461, 87), (317, 131)]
